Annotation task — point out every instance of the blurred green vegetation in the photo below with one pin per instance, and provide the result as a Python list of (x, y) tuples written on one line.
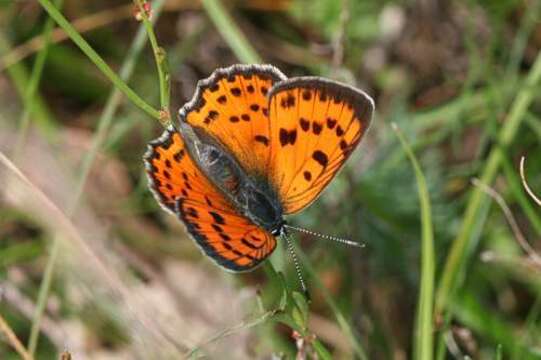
[(461, 81)]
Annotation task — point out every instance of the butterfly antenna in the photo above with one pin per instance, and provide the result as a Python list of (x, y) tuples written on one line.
[(327, 237), (291, 250)]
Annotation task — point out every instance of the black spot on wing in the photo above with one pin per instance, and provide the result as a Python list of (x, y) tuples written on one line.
[(217, 217), (287, 137), (316, 128), (179, 155), (248, 244), (320, 157), (213, 114), (222, 99), (305, 124), (288, 101), (331, 123), (262, 139), (224, 236)]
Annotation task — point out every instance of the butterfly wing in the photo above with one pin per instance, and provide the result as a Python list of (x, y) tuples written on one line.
[(297, 133), (229, 238), (232, 107), (315, 125)]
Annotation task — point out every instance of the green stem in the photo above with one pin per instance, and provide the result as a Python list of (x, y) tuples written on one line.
[(44, 289), (97, 60), (230, 32), (160, 58), (459, 249), (424, 338)]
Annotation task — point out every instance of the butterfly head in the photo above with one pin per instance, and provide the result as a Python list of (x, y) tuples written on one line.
[(280, 229)]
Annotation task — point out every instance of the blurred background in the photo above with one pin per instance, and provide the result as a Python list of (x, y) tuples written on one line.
[(90, 264)]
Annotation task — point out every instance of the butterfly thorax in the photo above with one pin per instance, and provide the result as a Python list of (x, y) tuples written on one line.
[(251, 194)]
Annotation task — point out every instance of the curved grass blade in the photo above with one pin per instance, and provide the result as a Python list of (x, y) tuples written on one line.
[(423, 343)]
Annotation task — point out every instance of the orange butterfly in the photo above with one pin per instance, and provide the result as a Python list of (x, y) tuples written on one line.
[(251, 147)]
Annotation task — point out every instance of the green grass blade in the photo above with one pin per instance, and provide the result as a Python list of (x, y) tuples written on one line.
[(499, 352), (97, 60), (423, 345), (161, 61), (321, 351), (459, 249), (43, 294), (231, 32), (534, 124), (97, 141), (43, 117)]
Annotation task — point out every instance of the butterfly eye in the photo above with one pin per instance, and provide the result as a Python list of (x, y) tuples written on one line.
[(213, 155)]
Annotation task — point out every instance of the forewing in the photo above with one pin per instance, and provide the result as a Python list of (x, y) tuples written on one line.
[(315, 125), (229, 238), (232, 107)]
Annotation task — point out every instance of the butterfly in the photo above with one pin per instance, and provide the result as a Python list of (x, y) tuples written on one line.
[(251, 147)]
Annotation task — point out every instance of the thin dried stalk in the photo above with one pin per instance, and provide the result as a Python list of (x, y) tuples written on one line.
[(510, 219), (525, 183), (13, 340)]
